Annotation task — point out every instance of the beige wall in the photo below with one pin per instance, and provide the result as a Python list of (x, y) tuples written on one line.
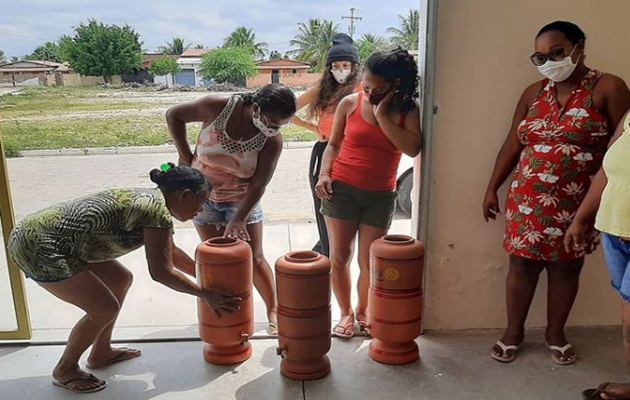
[(71, 79), (482, 68), (95, 80)]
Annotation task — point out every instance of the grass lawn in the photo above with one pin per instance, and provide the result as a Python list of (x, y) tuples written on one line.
[(56, 118)]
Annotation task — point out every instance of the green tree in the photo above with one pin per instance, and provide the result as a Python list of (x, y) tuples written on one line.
[(49, 51), (228, 65), (175, 47), (3, 58), (313, 42), (369, 44), (243, 38), (163, 66), (16, 58), (65, 43), (199, 46), (104, 50), (275, 55), (406, 36)]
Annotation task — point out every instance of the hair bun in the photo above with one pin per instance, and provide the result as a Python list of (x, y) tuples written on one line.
[(157, 176), (402, 53)]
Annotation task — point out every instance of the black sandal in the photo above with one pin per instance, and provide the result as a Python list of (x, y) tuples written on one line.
[(596, 394)]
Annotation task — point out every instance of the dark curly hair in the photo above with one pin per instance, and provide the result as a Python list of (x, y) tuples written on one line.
[(180, 178), (275, 98), (397, 64), (331, 92)]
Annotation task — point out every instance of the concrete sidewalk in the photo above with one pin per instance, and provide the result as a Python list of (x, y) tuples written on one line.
[(453, 366), (38, 182)]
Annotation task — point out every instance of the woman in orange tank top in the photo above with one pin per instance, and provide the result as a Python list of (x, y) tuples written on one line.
[(357, 181), (340, 78)]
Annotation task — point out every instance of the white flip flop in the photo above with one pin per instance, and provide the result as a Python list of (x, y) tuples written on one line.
[(562, 350), (505, 349)]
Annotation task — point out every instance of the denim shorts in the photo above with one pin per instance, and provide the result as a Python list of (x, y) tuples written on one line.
[(617, 253), (220, 214)]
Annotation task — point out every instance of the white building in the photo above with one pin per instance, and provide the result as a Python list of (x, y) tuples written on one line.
[(189, 64)]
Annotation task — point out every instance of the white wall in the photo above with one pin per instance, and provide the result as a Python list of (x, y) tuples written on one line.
[(192, 63)]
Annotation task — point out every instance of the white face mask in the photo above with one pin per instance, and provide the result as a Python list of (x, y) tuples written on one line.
[(341, 75), (257, 121), (559, 71)]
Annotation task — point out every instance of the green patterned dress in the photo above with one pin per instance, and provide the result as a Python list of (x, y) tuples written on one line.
[(59, 242)]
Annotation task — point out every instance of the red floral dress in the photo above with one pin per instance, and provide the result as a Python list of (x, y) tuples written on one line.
[(563, 150)]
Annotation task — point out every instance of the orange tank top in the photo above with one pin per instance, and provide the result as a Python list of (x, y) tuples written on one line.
[(325, 120), (324, 124), (368, 160)]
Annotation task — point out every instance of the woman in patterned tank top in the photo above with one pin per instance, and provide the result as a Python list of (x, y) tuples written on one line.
[(237, 150), (558, 138), (71, 251)]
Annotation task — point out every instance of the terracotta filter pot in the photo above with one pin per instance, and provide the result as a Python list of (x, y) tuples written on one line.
[(227, 264), (304, 314), (395, 298)]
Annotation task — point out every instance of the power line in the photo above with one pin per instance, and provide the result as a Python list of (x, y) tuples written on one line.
[(2, 47), (23, 36), (352, 18)]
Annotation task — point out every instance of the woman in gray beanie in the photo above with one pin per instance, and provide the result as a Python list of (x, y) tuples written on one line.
[(340, 78)]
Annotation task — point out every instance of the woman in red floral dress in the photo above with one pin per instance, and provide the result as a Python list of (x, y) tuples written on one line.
[(559, 135)]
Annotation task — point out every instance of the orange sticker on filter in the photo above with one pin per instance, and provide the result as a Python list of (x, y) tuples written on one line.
[(207, 280), (392, 274)]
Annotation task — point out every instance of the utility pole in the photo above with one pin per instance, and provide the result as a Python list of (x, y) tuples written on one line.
[(352, 18)]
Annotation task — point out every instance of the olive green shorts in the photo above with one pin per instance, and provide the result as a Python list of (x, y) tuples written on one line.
[(373, 208)]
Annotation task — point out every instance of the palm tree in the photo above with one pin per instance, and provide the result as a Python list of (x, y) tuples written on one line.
[(369, 44), (49, 51), (275, 55), (176, 47), (65, 44), (199, 46), (246, 38), (406, 36), (3, 58), (313, 42)]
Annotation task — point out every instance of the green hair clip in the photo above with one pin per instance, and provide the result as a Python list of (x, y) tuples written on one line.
[(165, 167)]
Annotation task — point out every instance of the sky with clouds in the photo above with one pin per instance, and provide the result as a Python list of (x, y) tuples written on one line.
[(29, 23)]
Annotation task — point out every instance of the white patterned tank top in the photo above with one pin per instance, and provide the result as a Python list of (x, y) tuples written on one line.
[(227, 163)]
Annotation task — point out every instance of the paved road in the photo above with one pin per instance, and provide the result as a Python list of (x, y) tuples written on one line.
[(37, 182)]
